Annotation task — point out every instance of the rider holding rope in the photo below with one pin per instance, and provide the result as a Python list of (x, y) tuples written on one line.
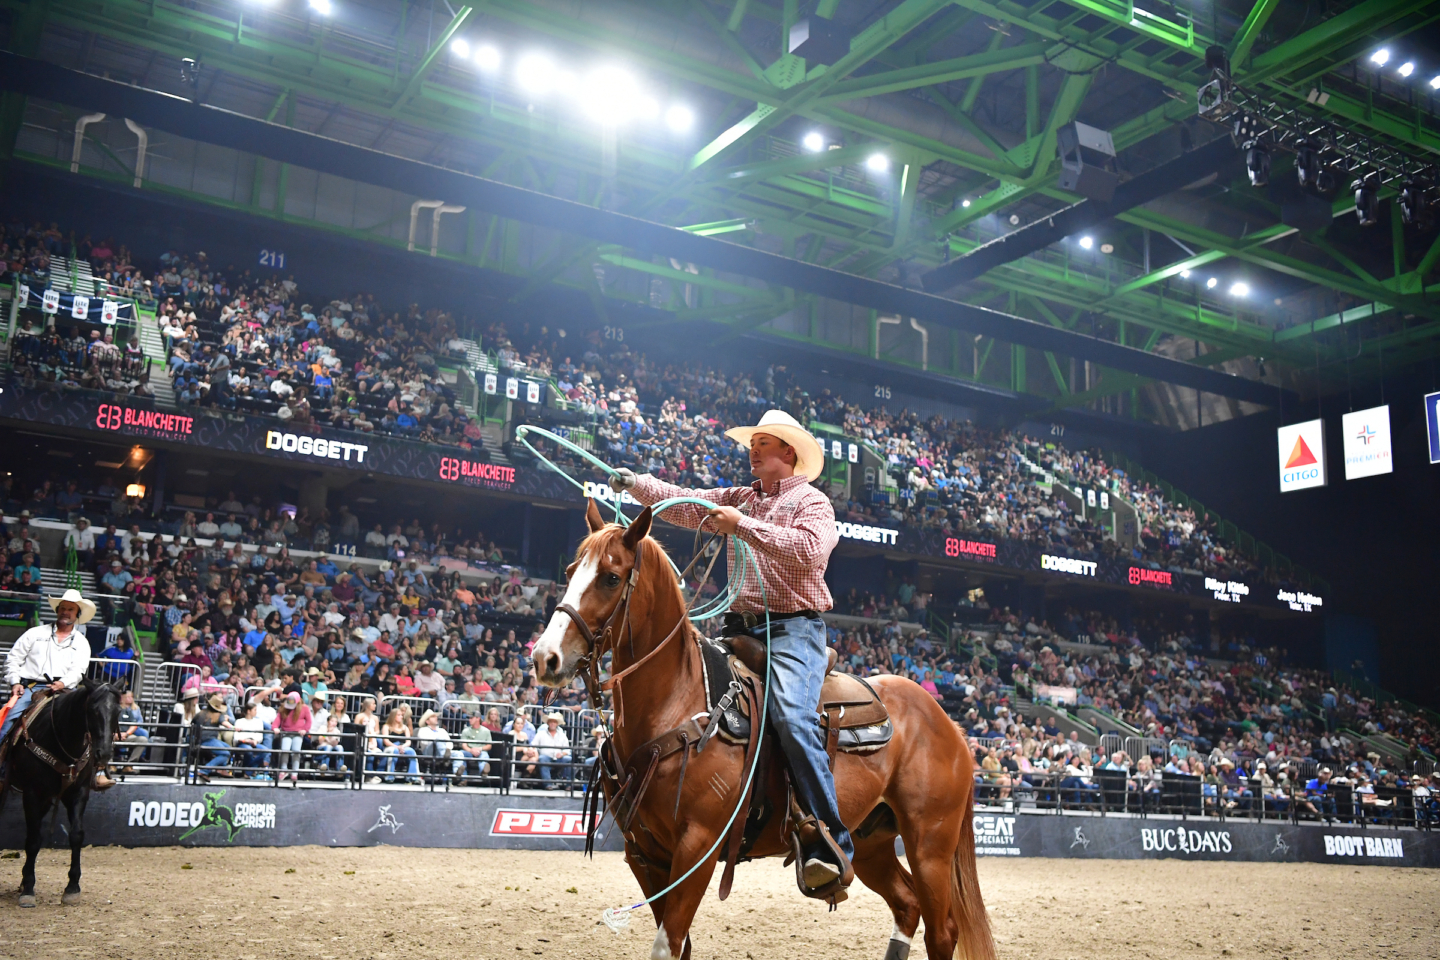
[(791, 527)]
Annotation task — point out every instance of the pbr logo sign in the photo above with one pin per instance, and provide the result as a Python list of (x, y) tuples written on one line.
[(995, 836), (537, 823)]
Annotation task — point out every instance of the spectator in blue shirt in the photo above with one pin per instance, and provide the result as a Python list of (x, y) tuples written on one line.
[(118, 580)]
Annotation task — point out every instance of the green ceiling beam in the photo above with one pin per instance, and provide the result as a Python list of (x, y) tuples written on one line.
[(417, 76), (1250, 30), (942, 71), (888, 30), (803, 163)]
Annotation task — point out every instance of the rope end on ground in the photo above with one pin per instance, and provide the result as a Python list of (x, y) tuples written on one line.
[(616, 919)]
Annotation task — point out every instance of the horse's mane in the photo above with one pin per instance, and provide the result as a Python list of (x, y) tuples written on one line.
[(665, 584)]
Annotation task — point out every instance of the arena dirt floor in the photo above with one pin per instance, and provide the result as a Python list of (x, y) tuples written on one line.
[(388, 902)]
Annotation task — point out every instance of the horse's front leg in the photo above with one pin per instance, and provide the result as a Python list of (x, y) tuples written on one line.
[(672, 940), (75, 802), (34, 817)]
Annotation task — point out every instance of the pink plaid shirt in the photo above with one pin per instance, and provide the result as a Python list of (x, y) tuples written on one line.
[(792, 531)]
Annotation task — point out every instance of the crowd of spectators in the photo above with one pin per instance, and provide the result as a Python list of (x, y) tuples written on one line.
[(239, 340)]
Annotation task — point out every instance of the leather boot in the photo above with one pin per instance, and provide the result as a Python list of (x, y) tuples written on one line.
[(102, 782)]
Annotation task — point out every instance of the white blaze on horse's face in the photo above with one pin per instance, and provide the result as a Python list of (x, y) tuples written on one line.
[(562, 645)]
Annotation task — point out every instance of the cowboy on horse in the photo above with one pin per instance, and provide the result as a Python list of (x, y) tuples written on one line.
[(46, 660), (790, 525)]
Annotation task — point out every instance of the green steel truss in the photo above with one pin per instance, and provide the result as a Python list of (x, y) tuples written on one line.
[(750, 178)]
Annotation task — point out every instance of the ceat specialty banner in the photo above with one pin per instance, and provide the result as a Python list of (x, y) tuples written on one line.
[(1302, 455), (1367, 443)]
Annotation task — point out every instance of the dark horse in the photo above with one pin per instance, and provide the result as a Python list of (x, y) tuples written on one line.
[(77, 731)]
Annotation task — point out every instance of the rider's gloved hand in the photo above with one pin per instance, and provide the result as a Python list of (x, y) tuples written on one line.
[(622, 479)]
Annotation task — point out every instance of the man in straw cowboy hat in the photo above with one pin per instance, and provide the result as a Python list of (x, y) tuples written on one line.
[(790, 525), (48, 659)]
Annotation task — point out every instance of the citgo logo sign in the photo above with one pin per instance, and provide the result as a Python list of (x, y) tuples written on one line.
[(1302, 455)]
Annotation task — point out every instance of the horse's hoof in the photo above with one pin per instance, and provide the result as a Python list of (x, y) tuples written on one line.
[(70, 897), (27, 899)]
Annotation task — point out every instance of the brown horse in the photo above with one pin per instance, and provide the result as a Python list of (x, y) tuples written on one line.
[(919, 787)]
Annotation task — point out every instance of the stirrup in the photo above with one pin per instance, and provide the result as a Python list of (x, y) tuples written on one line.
[(833, 891)]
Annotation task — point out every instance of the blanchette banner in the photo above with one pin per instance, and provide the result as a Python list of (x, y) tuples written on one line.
[(144, 815)]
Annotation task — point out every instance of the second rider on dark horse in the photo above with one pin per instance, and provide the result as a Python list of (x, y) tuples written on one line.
[(790, 525), (66, 731)]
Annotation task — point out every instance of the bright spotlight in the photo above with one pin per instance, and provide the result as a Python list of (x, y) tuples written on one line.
[(322, 7), (535, 73), (1107, 248), (1406, 68), (1435, 82), (610, 95), (679, 118), (1184, 274), (1210, 284), (1239, 289), (964, 203), (813, 142), (1087, 242), (487, 58), (1380, 57), (566, 83), (877, 163), (461, 48)]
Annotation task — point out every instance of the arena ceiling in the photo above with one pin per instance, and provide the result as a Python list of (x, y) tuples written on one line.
[(931, 129)]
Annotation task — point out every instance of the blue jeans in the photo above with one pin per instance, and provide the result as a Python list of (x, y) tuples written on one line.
[(220, 751), (797, 669), (401, 751), (17, 711)]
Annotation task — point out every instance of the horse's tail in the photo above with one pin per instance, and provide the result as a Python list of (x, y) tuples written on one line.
[(966, 905)]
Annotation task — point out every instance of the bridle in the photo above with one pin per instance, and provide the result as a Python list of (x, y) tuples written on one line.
[(607, 641)]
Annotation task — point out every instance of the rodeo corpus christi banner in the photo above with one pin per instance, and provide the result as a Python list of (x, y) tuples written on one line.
[(214, 815)]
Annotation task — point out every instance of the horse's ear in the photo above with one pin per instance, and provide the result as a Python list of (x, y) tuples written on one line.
[(638, 529), (592, 516)]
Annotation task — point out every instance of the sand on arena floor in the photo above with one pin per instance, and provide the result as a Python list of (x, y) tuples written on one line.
[(319, 903)]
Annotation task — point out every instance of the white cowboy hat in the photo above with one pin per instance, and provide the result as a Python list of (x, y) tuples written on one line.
[(87, 607), (809, 455)]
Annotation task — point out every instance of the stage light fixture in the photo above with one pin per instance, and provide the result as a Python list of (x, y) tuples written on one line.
[(964, 203), (1326, 181), (1239, 289), (1367, 199), (1307, 164), (1087, 242), (135, 490), (1406, 68), (1417, 204), (1257, 164), (488, 58), (1184, 274), (813, 142), (679, 118), (1210, 284), (535, 73), (322, 7), (1435, 82), (1107, 248), (877, 163), (460, 47), (1380, 57)]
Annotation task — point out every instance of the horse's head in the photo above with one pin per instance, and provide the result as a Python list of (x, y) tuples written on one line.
[(595, 587), (102, 717)]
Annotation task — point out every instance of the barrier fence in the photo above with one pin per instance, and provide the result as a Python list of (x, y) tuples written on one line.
[(349, 757)]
